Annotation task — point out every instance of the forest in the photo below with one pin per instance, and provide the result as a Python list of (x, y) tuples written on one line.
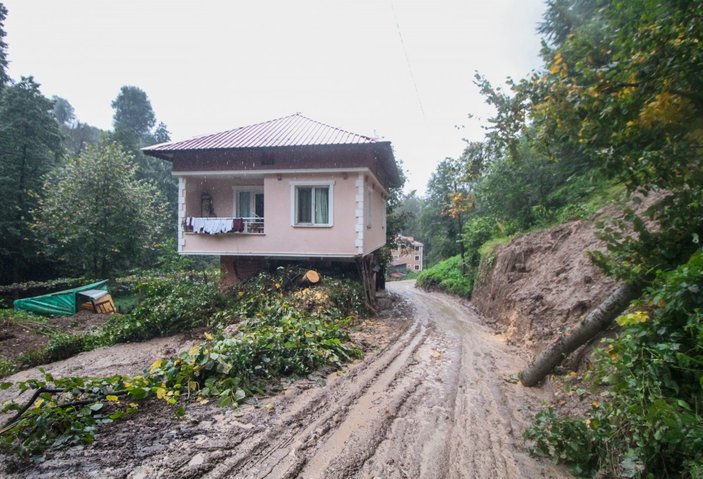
[(79, 201)]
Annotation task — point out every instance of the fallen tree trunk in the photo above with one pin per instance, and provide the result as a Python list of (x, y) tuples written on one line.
[(596, 321)]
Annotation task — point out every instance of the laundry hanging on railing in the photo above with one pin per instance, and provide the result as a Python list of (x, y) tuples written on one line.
[(211, 226)]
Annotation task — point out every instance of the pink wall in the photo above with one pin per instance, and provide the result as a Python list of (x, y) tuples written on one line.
[(375, 236), (219, 188), (280, 237)]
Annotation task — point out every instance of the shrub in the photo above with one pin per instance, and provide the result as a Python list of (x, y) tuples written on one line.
[(277, 338), (166, 306), (650, 422), (446, 276)]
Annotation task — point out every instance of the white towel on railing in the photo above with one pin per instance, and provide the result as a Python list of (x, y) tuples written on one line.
[(211, 226)]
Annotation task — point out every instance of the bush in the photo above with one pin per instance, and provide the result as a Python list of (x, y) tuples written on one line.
[(650, 423), (278, 336), (446, 276), (166, 306), (36, 288)]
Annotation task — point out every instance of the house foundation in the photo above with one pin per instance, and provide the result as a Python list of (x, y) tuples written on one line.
[(235, 269)]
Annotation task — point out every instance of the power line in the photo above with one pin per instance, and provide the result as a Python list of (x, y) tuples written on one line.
[(407, 61)]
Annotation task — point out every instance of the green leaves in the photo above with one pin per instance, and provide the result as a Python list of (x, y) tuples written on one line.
[(281, 338), (96, 215), (651, 420)]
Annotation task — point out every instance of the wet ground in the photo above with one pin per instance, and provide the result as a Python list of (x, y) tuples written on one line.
[(435, 398)]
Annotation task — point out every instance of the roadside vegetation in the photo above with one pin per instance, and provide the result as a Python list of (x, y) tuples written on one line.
[(256, 333), (613, 116)]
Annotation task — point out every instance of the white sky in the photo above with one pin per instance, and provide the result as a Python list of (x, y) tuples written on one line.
[(209, 66)]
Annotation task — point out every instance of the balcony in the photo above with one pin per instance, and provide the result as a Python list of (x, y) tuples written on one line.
[(252, 225)]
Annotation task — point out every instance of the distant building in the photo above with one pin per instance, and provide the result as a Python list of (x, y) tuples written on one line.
[(409, 255)]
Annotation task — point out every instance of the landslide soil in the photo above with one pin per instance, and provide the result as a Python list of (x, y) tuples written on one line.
[(539, 285), (434, 397), (17, 337)]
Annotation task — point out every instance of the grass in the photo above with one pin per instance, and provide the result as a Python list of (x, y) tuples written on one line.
[(446, 276)]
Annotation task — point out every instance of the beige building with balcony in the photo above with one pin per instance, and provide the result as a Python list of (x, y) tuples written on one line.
[(410, 254)]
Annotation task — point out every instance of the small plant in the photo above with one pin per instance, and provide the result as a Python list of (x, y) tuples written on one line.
[(446, 276), (7, 367)]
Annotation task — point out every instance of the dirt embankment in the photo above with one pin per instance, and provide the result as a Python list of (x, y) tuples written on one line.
[(539, 285), (536, 287)]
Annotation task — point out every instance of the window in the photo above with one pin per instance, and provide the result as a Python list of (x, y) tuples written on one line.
[(417, 248), (248, 202), (417, 258), (312, 203), (417, 267)]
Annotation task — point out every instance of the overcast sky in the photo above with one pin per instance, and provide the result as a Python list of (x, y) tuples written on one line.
[(399, 69)]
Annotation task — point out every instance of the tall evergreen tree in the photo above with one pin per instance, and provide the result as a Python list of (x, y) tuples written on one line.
[(29, 148), (134, 121), (4, 78)]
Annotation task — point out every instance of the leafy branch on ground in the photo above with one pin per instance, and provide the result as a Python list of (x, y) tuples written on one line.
[(264, 332)]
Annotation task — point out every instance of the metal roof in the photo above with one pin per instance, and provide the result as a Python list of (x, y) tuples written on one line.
[(293, 130)]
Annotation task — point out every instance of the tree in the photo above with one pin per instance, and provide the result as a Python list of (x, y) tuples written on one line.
[(29, 148), (4, 78), (75, 134), (449, 199), (134, 122), (133, 119), (63, 111), (623, 86), (96, 216)]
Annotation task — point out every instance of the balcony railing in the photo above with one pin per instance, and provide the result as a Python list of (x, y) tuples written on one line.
[(223, 225)]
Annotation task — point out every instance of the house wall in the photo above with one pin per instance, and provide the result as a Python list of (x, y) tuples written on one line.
[(406, 257), (280, 237), (375, 232)]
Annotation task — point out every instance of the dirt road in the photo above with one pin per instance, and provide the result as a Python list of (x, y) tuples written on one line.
[(434, 400)]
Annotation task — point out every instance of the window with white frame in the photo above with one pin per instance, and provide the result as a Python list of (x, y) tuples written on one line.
[(248, 202), (312, 203)]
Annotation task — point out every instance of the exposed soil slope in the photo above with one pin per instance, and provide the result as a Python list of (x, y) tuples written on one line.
[(20, 337), (541, 283), (434, 398)]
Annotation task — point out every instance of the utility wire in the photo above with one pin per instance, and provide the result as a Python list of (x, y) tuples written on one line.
[(407, 61)]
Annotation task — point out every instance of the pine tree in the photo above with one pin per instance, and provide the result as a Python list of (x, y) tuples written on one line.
[(30, 146)]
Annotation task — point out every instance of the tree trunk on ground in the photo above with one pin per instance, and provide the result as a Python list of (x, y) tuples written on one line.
[(596, 321)]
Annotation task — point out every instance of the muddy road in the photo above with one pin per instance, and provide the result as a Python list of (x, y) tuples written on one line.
[(435, 399)]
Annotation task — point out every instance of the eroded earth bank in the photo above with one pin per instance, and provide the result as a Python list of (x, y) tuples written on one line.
[(434, 397)]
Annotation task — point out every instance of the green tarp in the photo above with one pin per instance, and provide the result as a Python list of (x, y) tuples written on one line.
[(61, 303)]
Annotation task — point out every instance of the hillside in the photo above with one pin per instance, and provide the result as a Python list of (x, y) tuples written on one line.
[(538, 285)]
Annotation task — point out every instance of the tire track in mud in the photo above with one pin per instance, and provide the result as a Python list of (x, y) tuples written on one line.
[(285, 456), (434, 405), (431, 403)]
